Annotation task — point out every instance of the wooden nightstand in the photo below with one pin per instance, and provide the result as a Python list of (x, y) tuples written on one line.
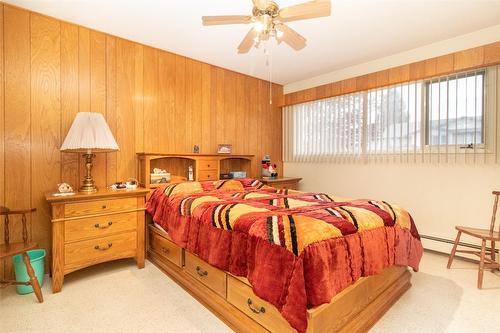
[(285, 182), (88, 229)]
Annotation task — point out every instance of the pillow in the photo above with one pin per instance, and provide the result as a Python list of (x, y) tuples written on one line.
[(252, 183), (229, 185), (183, 188)]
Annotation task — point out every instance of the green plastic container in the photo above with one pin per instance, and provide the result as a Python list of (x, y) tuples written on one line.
[(37, 262)]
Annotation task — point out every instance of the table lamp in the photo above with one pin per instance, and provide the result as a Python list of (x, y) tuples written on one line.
[(89, 134)]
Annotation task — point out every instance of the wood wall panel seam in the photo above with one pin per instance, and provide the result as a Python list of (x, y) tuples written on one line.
[(45, 115), (69, 96), (2, 130), (17, 122)]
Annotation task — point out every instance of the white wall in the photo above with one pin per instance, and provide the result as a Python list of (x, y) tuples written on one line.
[(459, 43), (438, 196)]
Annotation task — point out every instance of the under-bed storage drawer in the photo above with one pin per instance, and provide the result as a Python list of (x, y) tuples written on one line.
[(241, 296), (210, 276), (165, 248)]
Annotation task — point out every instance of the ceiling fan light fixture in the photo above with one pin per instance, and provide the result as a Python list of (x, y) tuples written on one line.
[(279, 32), (267, 21), (258, 26)]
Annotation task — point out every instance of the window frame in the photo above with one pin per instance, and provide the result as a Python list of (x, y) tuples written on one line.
[(425, 126)]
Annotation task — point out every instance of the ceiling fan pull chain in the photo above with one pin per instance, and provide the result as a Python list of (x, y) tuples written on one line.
[(269, 66)]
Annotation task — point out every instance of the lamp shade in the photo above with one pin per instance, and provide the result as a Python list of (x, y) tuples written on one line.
[(89, 132)]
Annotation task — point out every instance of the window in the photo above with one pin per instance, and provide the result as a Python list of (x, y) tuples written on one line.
[(449, 114), (454, 112)]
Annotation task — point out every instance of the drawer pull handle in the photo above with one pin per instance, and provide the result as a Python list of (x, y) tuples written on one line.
[(98, 226), (208, 165), (104, 207), (201, 272), (165, 250), (97, 247), (254, 310)]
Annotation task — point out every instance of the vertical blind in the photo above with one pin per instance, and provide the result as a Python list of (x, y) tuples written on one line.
[(325, 128), (443, 119), (394, 119)]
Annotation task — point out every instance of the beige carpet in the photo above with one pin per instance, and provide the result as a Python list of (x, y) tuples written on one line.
[(117, 297)]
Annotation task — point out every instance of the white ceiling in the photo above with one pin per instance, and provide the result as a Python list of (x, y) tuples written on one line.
[(357, 31)]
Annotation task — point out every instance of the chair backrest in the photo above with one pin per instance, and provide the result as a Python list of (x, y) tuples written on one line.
[(493, 216), (7, 212)]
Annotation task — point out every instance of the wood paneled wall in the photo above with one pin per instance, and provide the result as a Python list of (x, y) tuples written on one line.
[(482, 56), (153, 100)]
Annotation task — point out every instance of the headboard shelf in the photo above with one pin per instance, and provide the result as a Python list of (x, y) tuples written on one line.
[(205, 166)]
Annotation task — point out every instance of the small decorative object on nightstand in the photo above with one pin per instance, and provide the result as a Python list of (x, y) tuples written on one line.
[(269, 170), (290, 183), (91, 228)]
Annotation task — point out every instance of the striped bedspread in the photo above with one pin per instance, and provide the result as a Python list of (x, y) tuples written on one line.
[(297, 249)]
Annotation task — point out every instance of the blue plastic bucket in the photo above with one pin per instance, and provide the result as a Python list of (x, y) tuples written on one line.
[(37, 262)]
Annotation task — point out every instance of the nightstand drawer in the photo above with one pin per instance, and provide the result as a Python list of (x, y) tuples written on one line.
[(286, 185), (210, 276), (86, 228), (208, 175), (166, 248), (208, 165), (102, 249), (99, 206)]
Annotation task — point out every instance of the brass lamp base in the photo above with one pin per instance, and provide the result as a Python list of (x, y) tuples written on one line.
[(88, 185)]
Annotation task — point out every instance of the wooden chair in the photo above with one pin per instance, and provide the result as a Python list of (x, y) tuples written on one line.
[(485, 235), (11, 249)]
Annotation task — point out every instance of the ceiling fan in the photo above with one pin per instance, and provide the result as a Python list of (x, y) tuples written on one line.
[(269, 20)]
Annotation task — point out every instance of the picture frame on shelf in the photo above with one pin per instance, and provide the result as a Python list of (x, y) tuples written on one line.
[(224, 148)]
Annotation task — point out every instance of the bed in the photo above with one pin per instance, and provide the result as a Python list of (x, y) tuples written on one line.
[(283, 257)]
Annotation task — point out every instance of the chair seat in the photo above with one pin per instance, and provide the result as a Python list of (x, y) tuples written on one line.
[(479, 233), (8, 250)]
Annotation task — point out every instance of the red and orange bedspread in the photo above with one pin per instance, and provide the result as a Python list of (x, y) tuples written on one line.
[(297, 249)]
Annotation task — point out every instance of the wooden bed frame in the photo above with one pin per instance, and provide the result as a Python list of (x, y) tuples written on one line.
[(355, 309)]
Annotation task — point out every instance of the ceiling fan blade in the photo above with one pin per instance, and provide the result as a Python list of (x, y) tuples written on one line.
[(261, 4), (226, 19), (304, 11), (247, 42), (292, 38)]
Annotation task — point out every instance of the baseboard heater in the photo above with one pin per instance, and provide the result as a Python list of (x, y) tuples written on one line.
[(449, 241)]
